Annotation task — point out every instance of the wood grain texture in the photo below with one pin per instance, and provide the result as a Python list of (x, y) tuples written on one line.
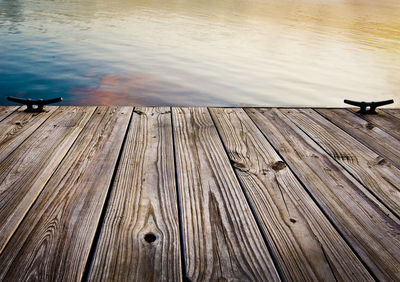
[(383, 120), (143, 204), (221, 238), (26, 170), (375, 138), (54, 240), (371, 229), (393, 112), (17, 127), (378, 175), (5, 111), (307, 246)]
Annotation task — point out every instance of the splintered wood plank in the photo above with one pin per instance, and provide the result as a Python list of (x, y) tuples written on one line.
[(17, 127), (307, 246), (5, 111), (54, 240), (393, 112), (369, 227), (385, 121), (375, 138), (26, 170), (139, 240), (378, 175), (222, 241)]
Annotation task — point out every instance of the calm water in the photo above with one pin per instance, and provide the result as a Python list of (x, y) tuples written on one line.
[(200, 52)]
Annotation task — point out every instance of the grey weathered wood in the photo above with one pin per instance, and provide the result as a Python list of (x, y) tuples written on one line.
[(393, 112), (47, 234), (221, 238), (17, 127), (143, 204), (383, 120), (26, 170), (370, 228), (307, 246), (54, 240), (5, 111), (378, 175), (375, 138)]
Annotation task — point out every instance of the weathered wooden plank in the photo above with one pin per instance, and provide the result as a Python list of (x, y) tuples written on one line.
[(370, 228), (222, 241), (375, 138), (379, 176), (54, 240), (139, 240), (25, 171), (17, 127), (307, 246), (5, 111), (393, 112), (385, 121)]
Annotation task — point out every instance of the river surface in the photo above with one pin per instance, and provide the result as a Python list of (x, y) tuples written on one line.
[(200, 52)]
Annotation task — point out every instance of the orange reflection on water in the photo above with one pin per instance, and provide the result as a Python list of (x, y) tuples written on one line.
[(129, 89), (268, 52), (221, 52)]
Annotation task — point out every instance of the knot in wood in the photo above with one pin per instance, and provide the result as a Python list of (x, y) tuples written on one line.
[(150, 237), (278, 165), (370, 126)]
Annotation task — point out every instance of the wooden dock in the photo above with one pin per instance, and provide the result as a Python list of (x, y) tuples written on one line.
[(199, 194)]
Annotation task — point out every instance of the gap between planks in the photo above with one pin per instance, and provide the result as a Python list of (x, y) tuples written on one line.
[(359, 217), (139, 239), (26, 170), (370, 169), (307, 246), (222, 239), (384, 120), (372, 136), (69, 207), (181, 195)]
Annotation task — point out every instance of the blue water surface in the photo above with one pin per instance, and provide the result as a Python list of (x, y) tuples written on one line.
[(228, 52)]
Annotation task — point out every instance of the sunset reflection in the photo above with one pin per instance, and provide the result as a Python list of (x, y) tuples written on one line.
[(228, 52), (113, 90)]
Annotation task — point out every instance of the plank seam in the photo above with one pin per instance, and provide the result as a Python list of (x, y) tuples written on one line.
[(252, 209), (178, 195), (377, 125), (27, 137), (341, 165), (389, 113), (45, 184), (16, 109), (317, 203), (89, 260), (361, 141)]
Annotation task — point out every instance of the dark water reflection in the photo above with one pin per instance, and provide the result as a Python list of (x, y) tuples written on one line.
[(203, 52)]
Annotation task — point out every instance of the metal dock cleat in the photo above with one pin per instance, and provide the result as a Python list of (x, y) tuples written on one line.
[(371, 105), (34, 106)]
